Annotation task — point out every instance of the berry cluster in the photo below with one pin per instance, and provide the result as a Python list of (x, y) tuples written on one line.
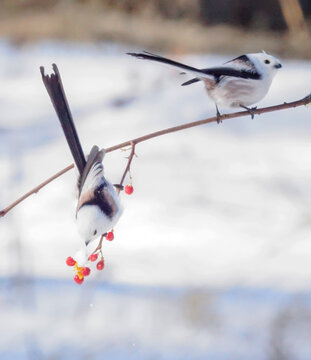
[(100, 265), (82, 272)]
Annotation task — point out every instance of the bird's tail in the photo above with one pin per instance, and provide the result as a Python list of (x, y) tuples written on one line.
[(54, 87), (153, 57), (200, 74)]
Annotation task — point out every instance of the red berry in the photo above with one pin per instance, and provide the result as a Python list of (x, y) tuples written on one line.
[(100, 265), (110, 236), (93, 257), (78, 280), (129, 189), (86, 271), (70, 261)]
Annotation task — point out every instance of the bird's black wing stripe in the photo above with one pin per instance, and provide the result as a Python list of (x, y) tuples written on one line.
[(100, 200), (228, 71), (54, 87), (225, 71)]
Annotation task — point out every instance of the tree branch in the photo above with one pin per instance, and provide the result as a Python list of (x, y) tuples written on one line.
[(35, 190), (304, 101)]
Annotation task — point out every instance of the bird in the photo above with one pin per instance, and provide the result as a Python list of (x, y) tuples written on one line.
[(240, 82), (98, 205)]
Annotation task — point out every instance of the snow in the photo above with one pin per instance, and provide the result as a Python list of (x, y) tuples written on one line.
[(217, 228)]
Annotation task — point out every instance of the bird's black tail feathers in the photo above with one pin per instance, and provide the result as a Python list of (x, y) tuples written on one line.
[(54, 87), (149, 56)]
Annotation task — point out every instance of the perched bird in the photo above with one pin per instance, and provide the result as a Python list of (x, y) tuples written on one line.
[(240, 82), (98, 207)]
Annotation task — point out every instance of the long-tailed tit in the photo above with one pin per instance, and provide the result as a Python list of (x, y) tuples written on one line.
[(98, 206), (240, 82)]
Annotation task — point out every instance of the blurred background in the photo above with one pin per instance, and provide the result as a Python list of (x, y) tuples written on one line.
[(211, 258)]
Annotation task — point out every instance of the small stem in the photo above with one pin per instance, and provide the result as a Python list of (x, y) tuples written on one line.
[(99, 246), (128, 166)]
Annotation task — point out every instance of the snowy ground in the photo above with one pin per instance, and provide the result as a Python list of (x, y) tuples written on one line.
[(212, 254)]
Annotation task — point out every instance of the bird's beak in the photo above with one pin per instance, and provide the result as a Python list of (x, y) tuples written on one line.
[(278, 66)]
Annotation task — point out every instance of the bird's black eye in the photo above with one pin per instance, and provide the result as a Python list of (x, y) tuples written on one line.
[(267, 61), (95, 232)]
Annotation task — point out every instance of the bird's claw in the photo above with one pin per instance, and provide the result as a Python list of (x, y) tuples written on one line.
[(218, 116), (252, 111)]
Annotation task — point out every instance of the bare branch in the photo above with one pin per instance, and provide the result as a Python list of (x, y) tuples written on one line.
[(35, 190), (304, 101)]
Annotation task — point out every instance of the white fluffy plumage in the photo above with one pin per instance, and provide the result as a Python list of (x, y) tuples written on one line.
[(98, 207)]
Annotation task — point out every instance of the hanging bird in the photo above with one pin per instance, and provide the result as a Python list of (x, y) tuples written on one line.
[(98, 206)]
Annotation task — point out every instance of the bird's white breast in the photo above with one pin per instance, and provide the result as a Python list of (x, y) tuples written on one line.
[(91, 218), (233, 92)]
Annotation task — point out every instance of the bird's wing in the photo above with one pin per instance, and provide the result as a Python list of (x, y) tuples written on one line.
[(93, 171), (230, 71), (94, 189), (243, 62), (217, 72)]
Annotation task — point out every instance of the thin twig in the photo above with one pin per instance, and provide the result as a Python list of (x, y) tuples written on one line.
[(304, 101), (99, 246), (35, 190), (128, 166)]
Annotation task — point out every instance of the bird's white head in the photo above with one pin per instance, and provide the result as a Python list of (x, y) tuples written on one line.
[(267, 65), (89, 219)]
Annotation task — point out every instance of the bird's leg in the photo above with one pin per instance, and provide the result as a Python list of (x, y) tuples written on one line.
[(218, 114), (250, 110)]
